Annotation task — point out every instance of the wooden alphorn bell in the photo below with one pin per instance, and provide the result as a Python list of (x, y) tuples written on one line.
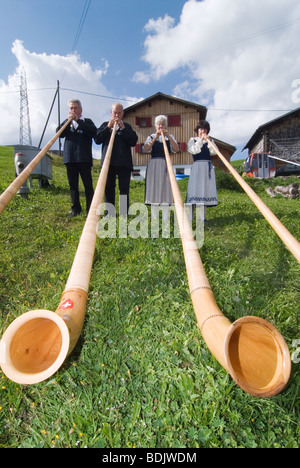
[(251, 349), (36, 344), (10, 192), (287, 238)]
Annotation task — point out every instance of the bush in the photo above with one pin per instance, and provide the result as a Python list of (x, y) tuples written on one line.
[(226, 181)]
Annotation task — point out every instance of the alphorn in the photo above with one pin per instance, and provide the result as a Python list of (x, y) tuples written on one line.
[(35, 345), (287, 238), (10, 192), (251, 349)]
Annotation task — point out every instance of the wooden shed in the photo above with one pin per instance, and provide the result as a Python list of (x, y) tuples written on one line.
[(183, 117), (279, 137)]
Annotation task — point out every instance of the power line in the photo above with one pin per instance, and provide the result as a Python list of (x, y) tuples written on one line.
[(251, 36), (81, 23), (98, 95), (250, 110), (209, 109), (29, 90), (135, 102)]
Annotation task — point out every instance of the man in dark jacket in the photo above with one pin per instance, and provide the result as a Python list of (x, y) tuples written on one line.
[(121, 158), (77, 155)]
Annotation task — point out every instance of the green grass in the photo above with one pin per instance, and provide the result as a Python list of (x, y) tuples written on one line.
[(141, 374)]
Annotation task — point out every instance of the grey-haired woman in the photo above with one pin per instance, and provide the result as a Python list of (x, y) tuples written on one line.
[(158, 188)]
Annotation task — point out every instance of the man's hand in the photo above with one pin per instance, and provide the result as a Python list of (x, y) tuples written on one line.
[(119, 122), (73, 116)]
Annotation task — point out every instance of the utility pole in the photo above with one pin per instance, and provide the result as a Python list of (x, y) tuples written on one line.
[(58, 109), (25, 130), (56, 95)]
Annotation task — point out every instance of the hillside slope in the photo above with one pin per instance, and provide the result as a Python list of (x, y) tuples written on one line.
[(141, 374)]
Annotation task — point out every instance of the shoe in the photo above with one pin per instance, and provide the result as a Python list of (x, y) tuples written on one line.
[(73, 214)]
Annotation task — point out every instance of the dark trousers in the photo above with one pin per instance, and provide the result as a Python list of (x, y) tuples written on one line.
[(123, 174), (85, 172)]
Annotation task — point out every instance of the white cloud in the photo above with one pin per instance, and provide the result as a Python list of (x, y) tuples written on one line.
[(42, 73), (235, 55)]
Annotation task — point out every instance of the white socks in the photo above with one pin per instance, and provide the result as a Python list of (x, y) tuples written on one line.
[(200, 211)]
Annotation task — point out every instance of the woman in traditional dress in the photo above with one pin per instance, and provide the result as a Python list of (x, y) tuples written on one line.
[(202, 188), (158, 188)]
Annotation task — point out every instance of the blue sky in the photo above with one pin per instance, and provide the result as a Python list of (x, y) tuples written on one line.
[(240, 59), (112, 30)]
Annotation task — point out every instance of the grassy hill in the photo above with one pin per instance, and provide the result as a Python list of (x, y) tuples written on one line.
[(141, 374)]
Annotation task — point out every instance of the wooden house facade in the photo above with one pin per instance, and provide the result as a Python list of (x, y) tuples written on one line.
[(279, 137), (183, 117)]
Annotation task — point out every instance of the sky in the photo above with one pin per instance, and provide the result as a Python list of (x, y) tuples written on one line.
[(240, 59)]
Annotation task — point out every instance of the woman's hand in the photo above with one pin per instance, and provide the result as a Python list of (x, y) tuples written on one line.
[(202, 133)]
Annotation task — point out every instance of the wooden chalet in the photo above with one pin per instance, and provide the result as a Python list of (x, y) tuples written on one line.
[(183, 117), (279, 137)]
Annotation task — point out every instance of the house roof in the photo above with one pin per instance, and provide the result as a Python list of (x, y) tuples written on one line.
[(263, 128), (229, 147), (159, 96)]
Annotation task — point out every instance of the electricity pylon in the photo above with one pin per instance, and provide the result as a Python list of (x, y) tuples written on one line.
[(25, 130)]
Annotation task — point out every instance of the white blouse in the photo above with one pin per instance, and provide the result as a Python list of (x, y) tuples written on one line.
[(152, 136), (195, 146)]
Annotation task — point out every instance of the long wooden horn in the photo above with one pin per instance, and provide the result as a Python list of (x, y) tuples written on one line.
[(10, 192), (36, 344), (287, 238), (251, 349)]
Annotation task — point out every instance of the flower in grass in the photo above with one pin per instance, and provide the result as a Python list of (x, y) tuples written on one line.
[(78, 441)]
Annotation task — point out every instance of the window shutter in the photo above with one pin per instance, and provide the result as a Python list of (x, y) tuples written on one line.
[(138, 148), (137, 121), (174, 120), (148, 122), (183, 147)]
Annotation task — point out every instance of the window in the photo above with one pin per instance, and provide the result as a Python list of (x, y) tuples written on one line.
[(139, 149), (182, 147), (179, 171), (136, 172), (174, 120), (271, 163), (254, 162), (143, 121), (247, 164)]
